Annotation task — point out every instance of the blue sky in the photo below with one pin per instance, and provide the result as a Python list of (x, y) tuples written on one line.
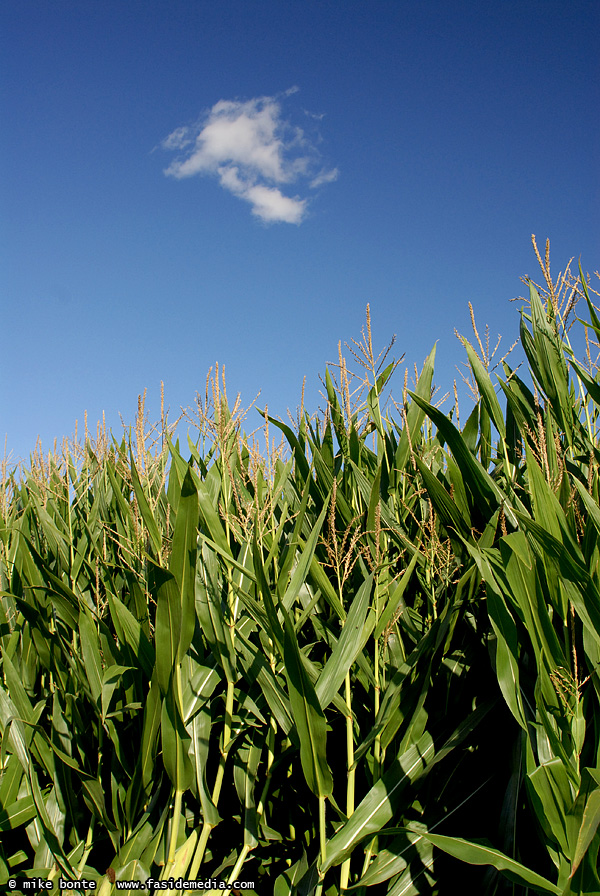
[(187, 183)]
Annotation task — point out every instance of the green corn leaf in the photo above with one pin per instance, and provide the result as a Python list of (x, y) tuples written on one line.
[(211, 613), (486, 389), (374, 408), (255, 609), (448, 509), (286, 883), (17, 814), (175, 741), (594, 317), (18, 694), (592, 386), (155, 851), (150, 731), (308, 716), (117, 490), (196, 456), (393, 861), (304, 561), (135, 845), (388, 519), (245, 777), (319, 580), (481, 854), (374, 504), (93, 794), (591, 507), (182, 562), (507, 638), (184, 856), (168, 626), (337, 414), (258, 669), (56, 818), (226, 555), (288, 555), (586, 597), (91, 653), (299, 454), (197, 688), (550, 357), (11, 725), (587, 831), (507, 652), (351, 642), (380, 803), (547, 360), (130, 632), (396, 603), (479, 482), (485, 437), (470, 431), (552, 787), (199, 731), (454, 484), (64, 600), (212, 521), (411, 881), (520, 400), (517, 565), (145, 510), (176, 476), (12, 776), (275, 631), (388, 863), (51, 842), (415, 414), (111, 679), (546, 507)]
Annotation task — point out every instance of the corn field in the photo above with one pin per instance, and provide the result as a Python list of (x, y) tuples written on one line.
[(363, 658)]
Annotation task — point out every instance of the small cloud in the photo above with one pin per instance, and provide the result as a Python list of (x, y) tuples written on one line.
[(254, 152), (178, 139), (325, 177), (318, 116), (269, 204)]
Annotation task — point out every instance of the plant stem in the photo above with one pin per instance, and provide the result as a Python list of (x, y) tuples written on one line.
[(238, 865), (206, 827), (87, 848), (201, 847), (226, 739), (173, 835), (322, 843), (345, 869)]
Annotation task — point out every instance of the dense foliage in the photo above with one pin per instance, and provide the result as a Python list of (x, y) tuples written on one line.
[(365, 660)]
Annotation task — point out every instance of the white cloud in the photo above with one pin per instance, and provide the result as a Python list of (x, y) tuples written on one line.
[(324, 177), (178, 139), (270, 204), (254, 152)]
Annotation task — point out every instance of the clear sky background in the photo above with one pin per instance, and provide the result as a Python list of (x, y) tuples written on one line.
[(185, 183)]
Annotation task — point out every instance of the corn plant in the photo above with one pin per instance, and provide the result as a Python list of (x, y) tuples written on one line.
[(363, 660)]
